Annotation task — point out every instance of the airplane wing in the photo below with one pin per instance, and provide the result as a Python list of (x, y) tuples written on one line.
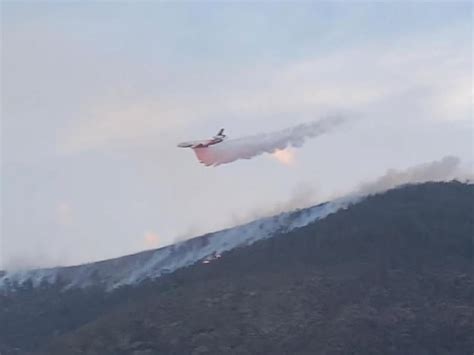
[(201, 144), (195, 144)]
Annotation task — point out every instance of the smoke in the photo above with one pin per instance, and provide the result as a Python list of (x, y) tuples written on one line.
[(305, 194), (447, 168), (252, 146), (302, 196)]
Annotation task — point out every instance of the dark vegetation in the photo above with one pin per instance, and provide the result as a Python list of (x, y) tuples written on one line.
[(390, 275)]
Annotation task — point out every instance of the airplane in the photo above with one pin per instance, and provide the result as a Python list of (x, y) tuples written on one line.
[(205, 143)]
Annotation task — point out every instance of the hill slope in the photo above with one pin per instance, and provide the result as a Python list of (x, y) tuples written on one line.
[(392, 274), (133, 269)]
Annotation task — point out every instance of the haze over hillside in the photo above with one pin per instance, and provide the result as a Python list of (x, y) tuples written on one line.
[(392, 274), (236, 177), (96, 95)]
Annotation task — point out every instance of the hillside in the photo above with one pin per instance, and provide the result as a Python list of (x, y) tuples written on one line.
[(392, 274), (134, 269)]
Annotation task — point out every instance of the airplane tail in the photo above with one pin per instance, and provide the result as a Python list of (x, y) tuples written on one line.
[(221, 132)]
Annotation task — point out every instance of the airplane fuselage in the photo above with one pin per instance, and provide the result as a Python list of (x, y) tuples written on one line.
[(204, 143)]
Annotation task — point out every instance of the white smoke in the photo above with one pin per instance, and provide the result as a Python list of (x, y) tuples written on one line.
[(445, 169), (252, 146)]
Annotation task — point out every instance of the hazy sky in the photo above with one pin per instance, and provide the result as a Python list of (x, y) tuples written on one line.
[(96, 95)]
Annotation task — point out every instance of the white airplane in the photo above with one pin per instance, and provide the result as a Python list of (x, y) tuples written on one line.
[(205, 143)]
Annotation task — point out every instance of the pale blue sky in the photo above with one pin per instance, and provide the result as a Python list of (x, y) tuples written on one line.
[(95, 96)]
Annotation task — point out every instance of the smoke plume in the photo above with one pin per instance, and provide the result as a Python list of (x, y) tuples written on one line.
[(447, 168), (252, 146)]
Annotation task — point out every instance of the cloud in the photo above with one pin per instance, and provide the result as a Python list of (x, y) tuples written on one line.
[(121, 122), (431, 76)]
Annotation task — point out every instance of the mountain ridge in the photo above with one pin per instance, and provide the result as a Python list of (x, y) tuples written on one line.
[(134, 268), (391, 274)]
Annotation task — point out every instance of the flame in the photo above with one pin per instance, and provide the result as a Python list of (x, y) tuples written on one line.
[(151, 239), (284, 156)]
